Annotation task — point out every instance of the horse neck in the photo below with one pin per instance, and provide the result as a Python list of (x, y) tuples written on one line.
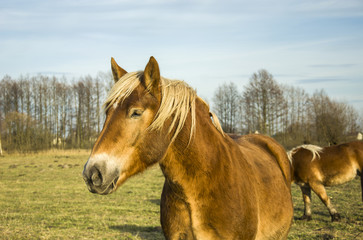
[(188, 161)]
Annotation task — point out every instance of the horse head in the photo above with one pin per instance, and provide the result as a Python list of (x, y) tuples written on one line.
[(127, 145)]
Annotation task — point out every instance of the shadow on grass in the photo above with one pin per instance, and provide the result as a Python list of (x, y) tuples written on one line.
[(317, 215), (144, 232), (155, 201)]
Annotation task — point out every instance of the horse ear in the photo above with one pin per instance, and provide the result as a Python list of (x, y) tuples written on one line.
[(152, 77), (117, 71)]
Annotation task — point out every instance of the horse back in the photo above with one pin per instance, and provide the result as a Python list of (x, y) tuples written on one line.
[(343, 155)]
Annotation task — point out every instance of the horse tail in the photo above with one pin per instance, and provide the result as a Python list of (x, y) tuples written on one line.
[(283, 161), (279, 154), (276, 150)]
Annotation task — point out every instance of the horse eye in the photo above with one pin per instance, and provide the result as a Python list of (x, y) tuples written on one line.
[(136, 113)]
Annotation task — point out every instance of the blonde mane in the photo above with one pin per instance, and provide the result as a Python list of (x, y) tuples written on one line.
[(178, 100), (315, 150)]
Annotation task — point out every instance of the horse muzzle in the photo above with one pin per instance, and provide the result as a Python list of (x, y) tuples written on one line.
[(99, 178)]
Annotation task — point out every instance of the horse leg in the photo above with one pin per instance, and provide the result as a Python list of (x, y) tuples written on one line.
[(321, 192), (306, 192), (174, 216)]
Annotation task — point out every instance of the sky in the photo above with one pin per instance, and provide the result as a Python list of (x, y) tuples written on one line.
[(311, 44)]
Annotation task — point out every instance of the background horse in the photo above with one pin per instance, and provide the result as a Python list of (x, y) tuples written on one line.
[(315, 167), (215, 187)]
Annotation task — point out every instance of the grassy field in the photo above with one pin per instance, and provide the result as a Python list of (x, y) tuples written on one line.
[(43, 196)]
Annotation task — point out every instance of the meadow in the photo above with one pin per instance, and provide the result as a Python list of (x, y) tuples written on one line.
[(43, 196)]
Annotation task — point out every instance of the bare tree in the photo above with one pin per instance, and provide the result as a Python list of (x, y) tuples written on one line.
[(296, 122), (333, 120), (36, 111), (1, 149), (41, 112), (264, 104), (1, 113), (226, 101)]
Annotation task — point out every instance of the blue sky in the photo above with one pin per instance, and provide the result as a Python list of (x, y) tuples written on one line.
[(312, 44)]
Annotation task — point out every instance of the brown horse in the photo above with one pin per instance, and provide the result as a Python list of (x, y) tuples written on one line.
[(315, 167), (215, 187)]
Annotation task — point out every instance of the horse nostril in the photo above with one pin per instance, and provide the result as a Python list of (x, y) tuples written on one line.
[(96, 178)]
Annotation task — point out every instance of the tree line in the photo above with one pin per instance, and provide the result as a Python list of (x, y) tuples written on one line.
[(287, 113), (42, 112)]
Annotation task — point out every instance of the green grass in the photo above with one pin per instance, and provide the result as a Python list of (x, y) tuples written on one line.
[(43, 196), (346, 198)]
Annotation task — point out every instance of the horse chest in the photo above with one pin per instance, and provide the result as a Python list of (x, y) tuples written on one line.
[(215, 220)]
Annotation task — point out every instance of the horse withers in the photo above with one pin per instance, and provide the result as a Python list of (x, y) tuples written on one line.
[(315, 167), (215, 187)]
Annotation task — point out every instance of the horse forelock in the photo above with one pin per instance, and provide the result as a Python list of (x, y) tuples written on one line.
[(178, 100), (315, 150), (122, 89)]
